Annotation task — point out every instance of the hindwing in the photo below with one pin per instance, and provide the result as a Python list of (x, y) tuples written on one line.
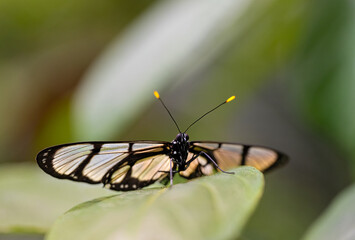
[(230, 155)]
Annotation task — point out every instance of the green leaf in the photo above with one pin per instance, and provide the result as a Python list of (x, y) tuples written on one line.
[(338, 222), (30, 200), (214, 207)]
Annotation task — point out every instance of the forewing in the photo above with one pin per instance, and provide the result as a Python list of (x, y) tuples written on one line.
[(231, 155), (118, 165)]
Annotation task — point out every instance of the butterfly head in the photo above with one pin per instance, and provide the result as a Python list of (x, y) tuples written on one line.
[(182, 137)]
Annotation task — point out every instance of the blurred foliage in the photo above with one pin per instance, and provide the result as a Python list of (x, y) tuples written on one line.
[(44, 49), (128, 62), (290, 64), (29, 27), (338, 221), (324, 74)]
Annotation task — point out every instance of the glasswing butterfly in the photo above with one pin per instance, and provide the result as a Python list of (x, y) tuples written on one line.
[(131, 165)]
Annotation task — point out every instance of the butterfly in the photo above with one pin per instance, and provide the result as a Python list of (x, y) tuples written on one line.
[(131, 165)]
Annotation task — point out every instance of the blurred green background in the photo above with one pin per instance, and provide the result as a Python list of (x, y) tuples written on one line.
[(86, 70)]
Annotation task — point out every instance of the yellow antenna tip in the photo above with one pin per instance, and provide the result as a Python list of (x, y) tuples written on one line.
[(156, 94), (230, 99)]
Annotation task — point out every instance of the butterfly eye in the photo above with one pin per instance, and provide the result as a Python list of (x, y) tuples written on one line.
[(187, 137), (178, 137)]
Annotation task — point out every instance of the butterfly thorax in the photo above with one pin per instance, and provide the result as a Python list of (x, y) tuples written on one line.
[(179, 150)]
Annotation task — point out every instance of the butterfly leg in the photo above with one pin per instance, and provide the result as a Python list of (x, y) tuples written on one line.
[(209, 158), (171, 172), (193, 158), (174, 171)]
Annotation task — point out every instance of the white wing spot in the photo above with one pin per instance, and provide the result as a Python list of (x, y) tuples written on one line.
[(134, 186), (126, 186), (121, 186), (45, 154), (74, 176)]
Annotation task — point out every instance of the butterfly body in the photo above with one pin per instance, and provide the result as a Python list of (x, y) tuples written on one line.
[(179, 151)]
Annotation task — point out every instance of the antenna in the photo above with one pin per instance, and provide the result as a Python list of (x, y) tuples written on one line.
[(228, 100), (156, 94)]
